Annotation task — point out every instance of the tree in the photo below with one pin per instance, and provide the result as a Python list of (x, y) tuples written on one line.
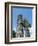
[(13, 34), (26, 25), (23, 23), (19, 26)]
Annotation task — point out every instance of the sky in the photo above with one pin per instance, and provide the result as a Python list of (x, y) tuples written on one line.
[(25, 12)]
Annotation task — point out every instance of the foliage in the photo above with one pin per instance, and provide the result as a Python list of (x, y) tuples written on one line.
[(26, 23), (13, 34), (20, 24)]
